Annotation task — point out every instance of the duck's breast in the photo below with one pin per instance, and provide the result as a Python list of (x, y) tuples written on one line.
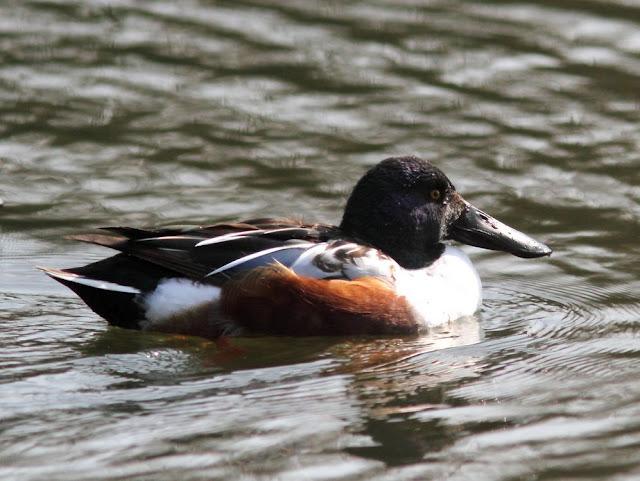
[(448, 289)]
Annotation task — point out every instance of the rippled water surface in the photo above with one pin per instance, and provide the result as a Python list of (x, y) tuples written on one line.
[(161, 112)]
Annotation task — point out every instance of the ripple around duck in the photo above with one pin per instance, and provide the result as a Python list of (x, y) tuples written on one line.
[(572, 310)]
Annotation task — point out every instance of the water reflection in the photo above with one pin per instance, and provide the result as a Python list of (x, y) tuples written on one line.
[(394, 381)]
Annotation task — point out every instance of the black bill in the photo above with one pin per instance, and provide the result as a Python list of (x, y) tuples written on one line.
[(479, 229)]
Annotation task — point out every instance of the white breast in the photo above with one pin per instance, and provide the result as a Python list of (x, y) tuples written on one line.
[(448, 289)]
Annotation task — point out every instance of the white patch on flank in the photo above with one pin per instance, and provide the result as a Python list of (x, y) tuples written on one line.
[(173, 296), (370, 263), (86, 281), (448, 289), (307, 266), (322, 261)]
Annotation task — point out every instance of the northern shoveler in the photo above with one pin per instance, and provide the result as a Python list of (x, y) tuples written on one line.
[(384, 270)]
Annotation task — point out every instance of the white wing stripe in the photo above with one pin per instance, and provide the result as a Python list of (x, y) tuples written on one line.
[(255, 255), (164, 237), (86, 281), (224, 238), (247, 233)]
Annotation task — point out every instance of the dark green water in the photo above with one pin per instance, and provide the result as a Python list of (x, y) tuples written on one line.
[(159, 112)]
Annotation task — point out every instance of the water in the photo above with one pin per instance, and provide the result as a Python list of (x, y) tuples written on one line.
[(154, 113)]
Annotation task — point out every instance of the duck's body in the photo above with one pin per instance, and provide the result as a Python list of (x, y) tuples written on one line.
[(384, 270)]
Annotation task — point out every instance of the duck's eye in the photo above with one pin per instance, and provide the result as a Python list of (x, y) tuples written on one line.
[(435, 194)]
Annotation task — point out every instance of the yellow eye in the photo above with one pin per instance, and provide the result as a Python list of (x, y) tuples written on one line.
[(435, 194)]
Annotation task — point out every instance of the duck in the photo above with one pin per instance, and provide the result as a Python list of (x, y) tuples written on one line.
[(388, 268)]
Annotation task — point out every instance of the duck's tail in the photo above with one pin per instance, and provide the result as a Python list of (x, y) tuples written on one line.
[(112, 287)]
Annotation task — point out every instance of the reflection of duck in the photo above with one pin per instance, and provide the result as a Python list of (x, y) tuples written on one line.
[(385, 269), (393, 355), (396, 382)]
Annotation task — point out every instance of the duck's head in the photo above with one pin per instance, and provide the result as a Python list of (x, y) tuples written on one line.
[(407, 208)]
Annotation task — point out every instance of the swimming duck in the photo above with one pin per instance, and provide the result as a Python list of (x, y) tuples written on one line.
[(384, 270)]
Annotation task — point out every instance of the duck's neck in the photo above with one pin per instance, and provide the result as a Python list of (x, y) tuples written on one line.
[(417, 259), (400, 246)]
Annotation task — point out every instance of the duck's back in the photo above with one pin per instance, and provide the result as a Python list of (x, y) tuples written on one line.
[(264, 275)]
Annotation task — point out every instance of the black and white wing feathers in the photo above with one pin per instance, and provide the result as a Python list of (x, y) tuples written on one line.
[(213, 254)]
